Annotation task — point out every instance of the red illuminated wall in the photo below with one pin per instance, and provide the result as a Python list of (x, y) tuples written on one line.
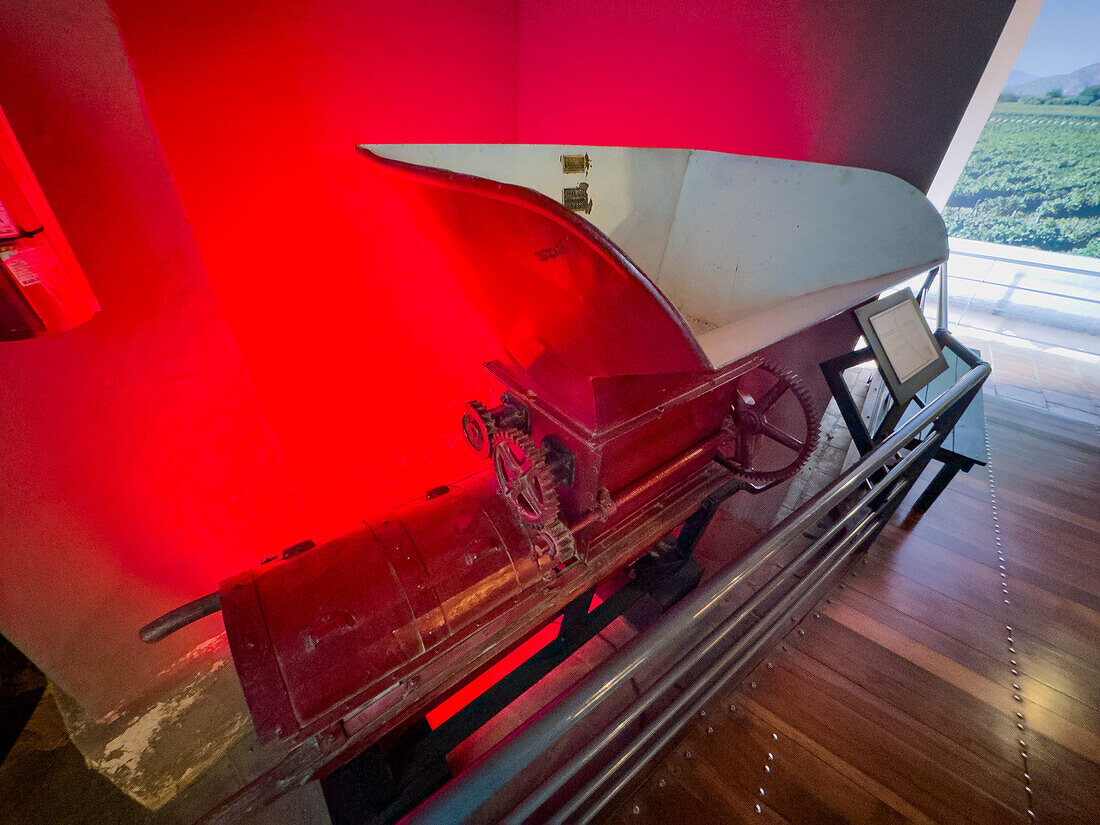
[(135, 462), (270, 364)]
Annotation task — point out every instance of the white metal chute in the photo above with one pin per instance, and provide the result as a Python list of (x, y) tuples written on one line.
[(760, 248), (750, 250)]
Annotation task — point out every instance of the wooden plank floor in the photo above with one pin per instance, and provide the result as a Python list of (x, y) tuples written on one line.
[(897, 699)]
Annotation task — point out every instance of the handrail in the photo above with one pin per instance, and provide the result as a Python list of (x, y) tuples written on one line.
[(941, 306), (699, 686), (537, 742)]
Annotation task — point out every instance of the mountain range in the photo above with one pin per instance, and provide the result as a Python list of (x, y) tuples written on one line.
[(1070, 84)]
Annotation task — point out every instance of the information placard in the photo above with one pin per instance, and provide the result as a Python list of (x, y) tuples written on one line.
[(908, 354)]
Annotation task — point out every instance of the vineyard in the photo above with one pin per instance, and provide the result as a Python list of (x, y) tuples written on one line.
[(1032, 180)]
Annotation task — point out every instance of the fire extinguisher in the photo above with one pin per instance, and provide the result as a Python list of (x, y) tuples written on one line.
[(42, 287)]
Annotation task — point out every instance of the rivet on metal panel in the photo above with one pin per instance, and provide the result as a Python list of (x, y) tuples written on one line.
[(767, 769), (687, 754), (775, 736), (636, 810), (661, 783), (710, 729), (758, 808)]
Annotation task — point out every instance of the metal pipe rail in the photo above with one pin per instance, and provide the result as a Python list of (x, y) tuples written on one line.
[(537, 774)]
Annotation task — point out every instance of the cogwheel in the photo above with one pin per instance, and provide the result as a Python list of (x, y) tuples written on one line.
[(478, 428), (525, 478), (554, 542), (752, 423)]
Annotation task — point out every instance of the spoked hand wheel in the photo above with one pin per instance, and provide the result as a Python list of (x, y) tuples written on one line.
[(773, 425)]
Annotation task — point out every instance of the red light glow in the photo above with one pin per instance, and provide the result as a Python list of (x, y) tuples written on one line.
[(462, 697)]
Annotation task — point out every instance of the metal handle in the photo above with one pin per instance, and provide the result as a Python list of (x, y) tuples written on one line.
[(182, 616)]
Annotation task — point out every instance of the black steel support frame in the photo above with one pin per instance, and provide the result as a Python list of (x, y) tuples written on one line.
[(833, 370), (713, 641)]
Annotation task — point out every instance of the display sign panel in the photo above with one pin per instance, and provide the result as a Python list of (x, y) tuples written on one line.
[(907, 352)]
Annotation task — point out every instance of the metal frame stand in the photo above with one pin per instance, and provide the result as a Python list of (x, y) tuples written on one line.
[(865, 441)]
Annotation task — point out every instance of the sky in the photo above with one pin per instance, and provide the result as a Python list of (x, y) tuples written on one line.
[(1065, 37)]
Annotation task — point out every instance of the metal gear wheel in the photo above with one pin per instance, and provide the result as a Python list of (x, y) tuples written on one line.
[(478, 428), (756, 420), (524, 476), (554, 543)]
